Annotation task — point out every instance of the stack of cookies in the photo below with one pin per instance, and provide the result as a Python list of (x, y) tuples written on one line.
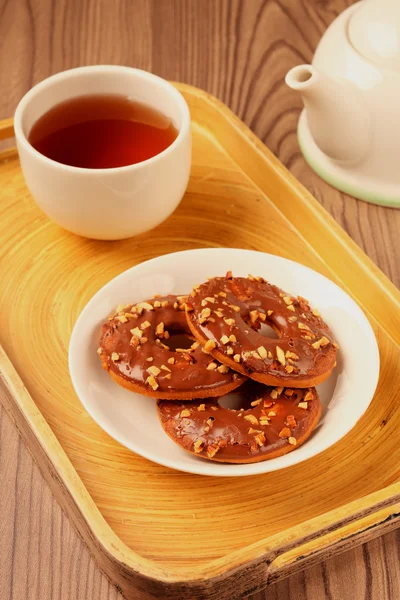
[(190, 351)]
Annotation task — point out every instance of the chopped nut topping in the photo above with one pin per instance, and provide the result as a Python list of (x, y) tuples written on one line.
[(165, 368), (291, 421), (260, 439), (284, 433), (260, 279), (303, 326), (272, 413), (253, 420), (223, 369), (289, 392), (145, 325), (229, 350), (122, 319), (121, 307), (255, 355), (274, 394), (176, 305), (235, 308), (171, 360), (168, 376), (134, 341), (264, 420), (262, 316), (211, 366), (209, 345), (143, 340), (145, 306), (137, 332), (268, 403), (303, 405), (232, 338), (218, 313), (222, 294), (291, 355), (335, 345), (224, 340), (280, 355), (321, 342), (115, 356), (212, 450), (185, 413), (262, 352), (99, 351), (151, 380), (201, 407), (205, 313), (270, 355), (150, 359), (289, 369), (230, 322), (210, 421), (316, 313), (251, 277), (309, 396), (269, 312), (157, 304), (254, 315), (160, 329), (292, 319), (210, 299), (153, 370), (129, 315), (291, 307), (288, 300), (214, 408), (165, 303), (292, 441), (198, 446), (256, 402), (251, 430)]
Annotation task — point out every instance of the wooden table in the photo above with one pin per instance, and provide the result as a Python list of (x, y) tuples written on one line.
[(238, 50)]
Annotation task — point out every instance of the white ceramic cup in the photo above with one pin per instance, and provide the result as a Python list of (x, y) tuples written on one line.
[(115, 203)]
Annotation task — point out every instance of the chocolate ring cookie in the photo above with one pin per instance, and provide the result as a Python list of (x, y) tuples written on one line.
[(226, 313), (276, 421), (134, 350)]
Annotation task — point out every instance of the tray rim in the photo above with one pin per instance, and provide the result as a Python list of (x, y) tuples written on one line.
[(272, 557)]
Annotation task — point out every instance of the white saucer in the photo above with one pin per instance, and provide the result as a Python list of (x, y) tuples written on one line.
[(132, 419)]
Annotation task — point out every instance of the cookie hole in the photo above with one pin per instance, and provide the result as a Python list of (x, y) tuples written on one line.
[(178, 340), (234, 401), (268, 332)]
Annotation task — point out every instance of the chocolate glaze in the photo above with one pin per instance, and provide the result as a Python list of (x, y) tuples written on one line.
[(288, 315), (231, 435), (189, 371)]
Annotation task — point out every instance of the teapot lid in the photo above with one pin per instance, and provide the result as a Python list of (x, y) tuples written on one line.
[(374, 31)]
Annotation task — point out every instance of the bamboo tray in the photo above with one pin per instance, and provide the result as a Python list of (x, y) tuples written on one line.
[(159, 533)]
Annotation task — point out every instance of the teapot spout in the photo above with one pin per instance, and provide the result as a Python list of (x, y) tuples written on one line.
[(337, 116)]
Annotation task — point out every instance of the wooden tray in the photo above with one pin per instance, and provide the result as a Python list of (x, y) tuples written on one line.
[(158, 533)]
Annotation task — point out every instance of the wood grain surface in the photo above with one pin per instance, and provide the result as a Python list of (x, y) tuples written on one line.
[(239, 51)]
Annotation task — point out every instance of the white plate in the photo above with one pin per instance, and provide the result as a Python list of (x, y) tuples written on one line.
[(132, 419)]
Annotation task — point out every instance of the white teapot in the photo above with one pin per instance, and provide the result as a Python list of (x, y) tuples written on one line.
[(349, 130)]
